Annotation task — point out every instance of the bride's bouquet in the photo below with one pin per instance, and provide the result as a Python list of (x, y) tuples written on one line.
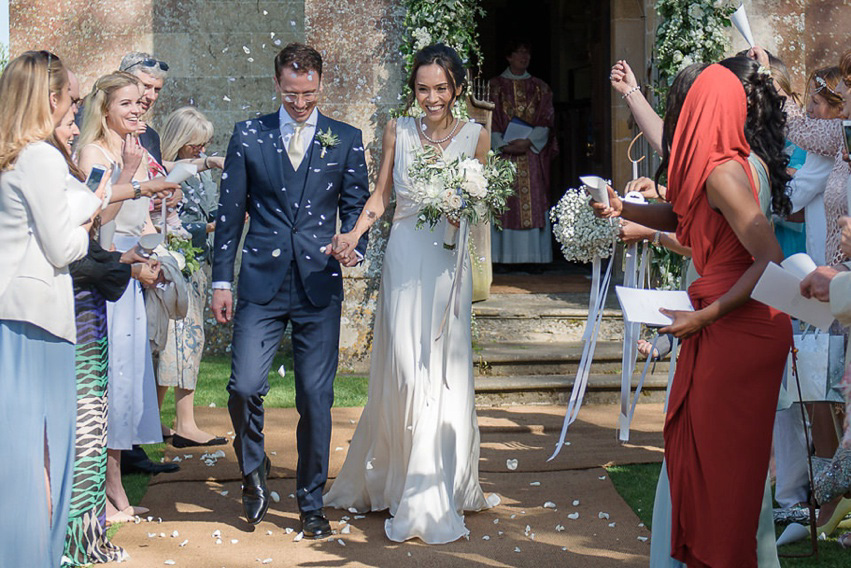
[(459, 189)]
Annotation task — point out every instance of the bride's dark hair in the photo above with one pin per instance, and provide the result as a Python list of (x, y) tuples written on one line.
[(445, 57)]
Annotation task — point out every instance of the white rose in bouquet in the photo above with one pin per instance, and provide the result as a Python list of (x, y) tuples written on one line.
[(455, 202), (475, 183)]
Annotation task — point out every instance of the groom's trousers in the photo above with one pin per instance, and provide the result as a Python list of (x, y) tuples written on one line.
[(257, 333)]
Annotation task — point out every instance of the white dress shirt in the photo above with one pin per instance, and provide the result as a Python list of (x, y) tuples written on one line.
[(288, 128)]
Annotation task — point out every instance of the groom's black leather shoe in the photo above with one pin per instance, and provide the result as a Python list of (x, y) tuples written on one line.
[(315, 525), (255, 496)]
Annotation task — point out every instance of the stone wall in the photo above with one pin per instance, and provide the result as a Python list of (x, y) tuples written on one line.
[(360, 41), (806, 35), (220, 55)]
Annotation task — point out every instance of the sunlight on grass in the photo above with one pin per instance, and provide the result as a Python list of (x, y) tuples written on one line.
[(637, 485)]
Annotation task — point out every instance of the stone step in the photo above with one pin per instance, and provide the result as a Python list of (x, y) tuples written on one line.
[(546, 359), (548, 389), (542, 318)]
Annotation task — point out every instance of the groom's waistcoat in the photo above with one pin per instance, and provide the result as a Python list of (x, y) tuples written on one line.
[(293, 214)]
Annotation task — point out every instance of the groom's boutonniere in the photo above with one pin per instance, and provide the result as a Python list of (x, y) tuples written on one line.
[(328, 140)]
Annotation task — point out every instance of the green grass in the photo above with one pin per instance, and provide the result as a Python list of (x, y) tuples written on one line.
[(637, 485), (213, 378)]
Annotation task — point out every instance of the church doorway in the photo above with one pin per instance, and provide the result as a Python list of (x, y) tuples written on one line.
[(570, 42)]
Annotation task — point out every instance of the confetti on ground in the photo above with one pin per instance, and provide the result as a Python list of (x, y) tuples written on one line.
[(275, 497), (573, 516), (576, 502), (549, 505), (184, 543), (298, 537), (511, 464)]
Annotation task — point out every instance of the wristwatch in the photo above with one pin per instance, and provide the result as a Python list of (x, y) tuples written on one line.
[(137, 189), (657, 237)]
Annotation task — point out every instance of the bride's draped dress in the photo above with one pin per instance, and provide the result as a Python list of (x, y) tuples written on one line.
[(416, 448)]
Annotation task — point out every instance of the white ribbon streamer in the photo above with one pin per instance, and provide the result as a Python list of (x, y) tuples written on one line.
[(599, 289), (455, 292)]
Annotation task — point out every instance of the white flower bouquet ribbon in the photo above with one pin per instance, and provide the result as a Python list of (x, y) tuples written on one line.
[(635, 273), (599, 289), (453, 306)]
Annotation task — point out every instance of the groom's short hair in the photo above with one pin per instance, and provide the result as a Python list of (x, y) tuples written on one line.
[(299, 57)]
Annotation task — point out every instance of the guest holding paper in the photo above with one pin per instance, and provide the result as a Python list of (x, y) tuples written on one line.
[(108, 138), (185, 136), (45, 222), (97, 277), (523, 122), (722, 402)]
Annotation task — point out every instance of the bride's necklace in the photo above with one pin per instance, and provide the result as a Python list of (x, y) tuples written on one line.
[(442, 140)]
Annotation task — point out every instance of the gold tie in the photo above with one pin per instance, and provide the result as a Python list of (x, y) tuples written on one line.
[(295, 148)]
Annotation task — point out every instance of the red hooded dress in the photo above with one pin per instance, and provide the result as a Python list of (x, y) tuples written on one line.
[(722, 403)]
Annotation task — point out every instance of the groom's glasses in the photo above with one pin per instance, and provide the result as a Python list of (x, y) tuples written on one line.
[(308, 97)]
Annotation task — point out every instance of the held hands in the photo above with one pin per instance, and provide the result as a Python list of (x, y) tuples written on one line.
[(685, 323), (622, 77), (614, 208), (343, 247), (517, 147), (817, 283), (222, 305)]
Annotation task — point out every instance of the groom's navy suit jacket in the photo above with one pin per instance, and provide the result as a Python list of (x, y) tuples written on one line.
[(285, 277), (287, 223)]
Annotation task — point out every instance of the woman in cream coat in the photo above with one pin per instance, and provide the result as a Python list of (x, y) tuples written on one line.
[(44, 221)]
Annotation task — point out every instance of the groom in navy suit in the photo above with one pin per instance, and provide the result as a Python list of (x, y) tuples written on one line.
[(292, 172)]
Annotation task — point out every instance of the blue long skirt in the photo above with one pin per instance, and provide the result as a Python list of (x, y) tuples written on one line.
[(37, 408)]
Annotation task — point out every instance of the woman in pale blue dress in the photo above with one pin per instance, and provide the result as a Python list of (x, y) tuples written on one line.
[(44, 223)]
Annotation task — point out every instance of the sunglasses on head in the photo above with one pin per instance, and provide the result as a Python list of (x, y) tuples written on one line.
[(150, 63)]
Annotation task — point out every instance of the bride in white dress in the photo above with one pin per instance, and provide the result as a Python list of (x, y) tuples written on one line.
[(416, 447)]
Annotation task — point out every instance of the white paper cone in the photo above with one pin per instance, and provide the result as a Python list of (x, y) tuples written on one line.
[(740, 20), (793, 533), (181, 172), (450, 236)]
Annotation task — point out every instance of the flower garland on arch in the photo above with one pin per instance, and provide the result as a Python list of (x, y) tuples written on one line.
[(452, 22), (689, 32)]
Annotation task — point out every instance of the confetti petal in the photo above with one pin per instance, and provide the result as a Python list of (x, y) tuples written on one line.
[(573, 516), (511, 464)]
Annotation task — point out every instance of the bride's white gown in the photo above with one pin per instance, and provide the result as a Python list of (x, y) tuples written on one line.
[(416, 447)]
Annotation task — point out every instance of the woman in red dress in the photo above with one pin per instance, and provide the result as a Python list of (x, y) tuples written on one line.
[(721, 407)]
